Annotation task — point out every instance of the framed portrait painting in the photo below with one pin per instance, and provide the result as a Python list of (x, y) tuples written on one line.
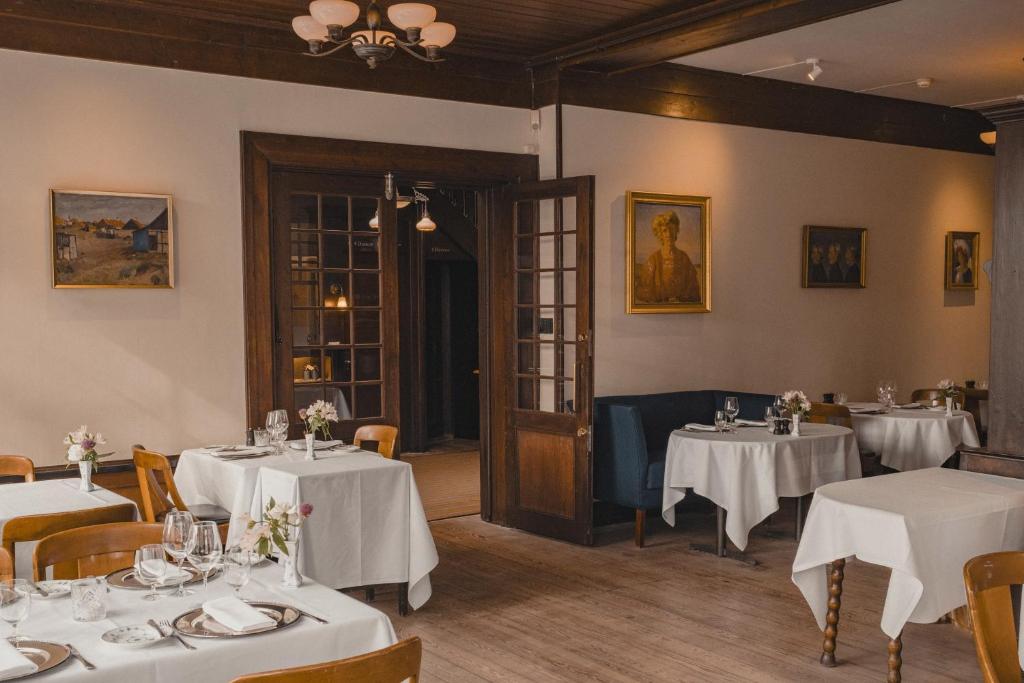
[(111, 240), (834, 258), (668, 253), (962, 260)]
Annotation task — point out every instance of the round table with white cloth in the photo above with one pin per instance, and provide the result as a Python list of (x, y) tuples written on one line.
[(914, 439), (746, 471)]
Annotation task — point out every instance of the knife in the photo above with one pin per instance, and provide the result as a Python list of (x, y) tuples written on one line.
[(78, 655), (42, 591)]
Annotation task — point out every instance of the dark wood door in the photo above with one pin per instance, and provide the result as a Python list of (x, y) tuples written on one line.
[(550, 355), (335, 298)]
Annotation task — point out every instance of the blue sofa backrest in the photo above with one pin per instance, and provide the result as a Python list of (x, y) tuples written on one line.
[(660, 414)]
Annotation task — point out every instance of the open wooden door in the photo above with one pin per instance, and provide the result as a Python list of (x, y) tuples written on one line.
[(549, 356)]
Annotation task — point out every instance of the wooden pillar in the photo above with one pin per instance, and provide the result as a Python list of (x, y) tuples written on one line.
[(1006, 377)]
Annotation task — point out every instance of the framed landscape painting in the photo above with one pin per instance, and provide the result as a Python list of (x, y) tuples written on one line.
[(111, 239), (835, 258), (668, 253), (962, 260)]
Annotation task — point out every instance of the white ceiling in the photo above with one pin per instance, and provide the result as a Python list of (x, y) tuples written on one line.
[(973, 50)]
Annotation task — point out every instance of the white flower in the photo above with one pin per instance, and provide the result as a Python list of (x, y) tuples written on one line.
[(945, 384), (98, 438), (75, 453)]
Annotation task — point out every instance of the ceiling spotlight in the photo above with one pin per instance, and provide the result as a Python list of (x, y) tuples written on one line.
[(815, 68), (924, 82)]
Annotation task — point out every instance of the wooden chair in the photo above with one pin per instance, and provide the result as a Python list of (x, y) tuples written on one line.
[(384, 435), (93, 550), (155, 502), (830, 413), (6, 565), (17, 466), (36, 527), (988, 579), (400, 662), (935, 397)]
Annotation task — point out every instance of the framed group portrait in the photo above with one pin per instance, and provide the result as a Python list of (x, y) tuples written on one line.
[(668, 253), (834, 258), (962, 260)]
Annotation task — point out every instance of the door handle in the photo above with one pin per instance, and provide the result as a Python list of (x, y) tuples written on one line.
[(582, 431), (476, 371)]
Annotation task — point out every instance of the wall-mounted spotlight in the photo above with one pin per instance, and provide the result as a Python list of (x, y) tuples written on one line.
[(812, 74), (815, 69)]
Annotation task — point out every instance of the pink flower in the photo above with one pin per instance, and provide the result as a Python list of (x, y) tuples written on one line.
[(306, 509), (302, 414)]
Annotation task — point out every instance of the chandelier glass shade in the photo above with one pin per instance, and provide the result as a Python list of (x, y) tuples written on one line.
[(323, 29)]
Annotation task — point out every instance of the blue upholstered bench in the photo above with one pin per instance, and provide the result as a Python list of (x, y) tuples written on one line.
[(631, 435)]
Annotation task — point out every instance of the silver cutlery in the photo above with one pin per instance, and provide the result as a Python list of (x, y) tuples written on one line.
[(42, 591), (167, 631), (78, 655), (302, 612)]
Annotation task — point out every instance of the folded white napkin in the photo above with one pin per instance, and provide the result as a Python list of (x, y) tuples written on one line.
[(937, 409), (751, 423), (172, 576), (915, 404), (231, 612), (13, 663), (234, 451), (697, 427), (317, 445), (864, 407)]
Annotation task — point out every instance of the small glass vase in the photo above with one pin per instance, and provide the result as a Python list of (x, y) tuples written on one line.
[(796, 424), (949, 406), (85, 472), (290, 562), (311, 446)]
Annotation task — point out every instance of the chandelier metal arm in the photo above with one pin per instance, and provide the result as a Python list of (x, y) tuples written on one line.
[(334, 47), (417, 55)]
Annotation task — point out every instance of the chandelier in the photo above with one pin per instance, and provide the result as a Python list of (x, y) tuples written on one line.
[(324, 27)]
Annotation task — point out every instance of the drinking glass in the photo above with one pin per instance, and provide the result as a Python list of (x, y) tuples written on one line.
[(151, 568), (206, 548), (238, 568), (769, 418), (277, 425), (732, 407), (840, 398), (15, 603), (89, 599), (721, 420), (261, 437), (177, 537)]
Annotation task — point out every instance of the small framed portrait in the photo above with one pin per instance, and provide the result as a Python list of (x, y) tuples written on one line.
[(111, 240), (835, 258), (668, 253), (962, 260)]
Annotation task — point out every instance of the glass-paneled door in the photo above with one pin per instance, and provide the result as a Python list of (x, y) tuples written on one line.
[(335, 298)]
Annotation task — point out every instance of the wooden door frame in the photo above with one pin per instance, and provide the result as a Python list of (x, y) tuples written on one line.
[(264, 153)]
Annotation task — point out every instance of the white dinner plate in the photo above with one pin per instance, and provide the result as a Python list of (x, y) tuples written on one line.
[(54, 589), (132, 636)]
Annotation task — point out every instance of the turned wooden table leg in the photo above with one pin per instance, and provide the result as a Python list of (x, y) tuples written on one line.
[(720, 529), (835, 594), (895, 660)]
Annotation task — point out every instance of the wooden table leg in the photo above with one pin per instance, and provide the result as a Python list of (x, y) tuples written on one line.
[(835, 594), (403, 599), (895, 659), (720, 524), (799, 517)]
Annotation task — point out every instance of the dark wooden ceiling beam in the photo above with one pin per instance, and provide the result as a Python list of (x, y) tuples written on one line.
[(712, 24)]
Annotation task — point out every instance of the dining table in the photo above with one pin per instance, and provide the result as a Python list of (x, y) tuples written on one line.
[(368, 525), (923, 525), (745, 471), (48, 496), (352, 628), (912, 438)]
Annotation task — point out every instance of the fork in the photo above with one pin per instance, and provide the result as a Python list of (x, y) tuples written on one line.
[(165, 625), (78, 655)]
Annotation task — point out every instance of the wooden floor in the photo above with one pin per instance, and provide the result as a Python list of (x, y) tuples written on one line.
[(448, 480), (510, 606)]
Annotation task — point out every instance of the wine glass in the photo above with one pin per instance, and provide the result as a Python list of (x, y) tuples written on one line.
[(15, 603), (721, 420), (151, 568), (206, 548), (176, 541), (732, 407), (840, 398), (779, 405), (238, 568), (277, 425)]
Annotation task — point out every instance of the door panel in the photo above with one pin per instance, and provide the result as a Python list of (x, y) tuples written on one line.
[(550, 355)]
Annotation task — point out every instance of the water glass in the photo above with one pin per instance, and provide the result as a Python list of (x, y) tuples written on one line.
[(732, 407), (721, 421), (151, 568), (15, 603), (840, 398), (206, 548), (177, 542), (277, 425), (238, 568), (261, 437), (89, 599), (769, 418)]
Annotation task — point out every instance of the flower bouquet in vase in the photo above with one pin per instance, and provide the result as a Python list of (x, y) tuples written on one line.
[(795, 401), (948, 389), (275, 532), (82, 445), (318, 418)]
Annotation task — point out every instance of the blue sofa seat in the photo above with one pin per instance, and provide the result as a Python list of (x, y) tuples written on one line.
[(631, 436)]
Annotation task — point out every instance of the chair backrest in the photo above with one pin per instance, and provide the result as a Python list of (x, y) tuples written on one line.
[(93, 550), (155, 501), (988, 579), (935, 397), (384, 435), (6, 565), (830, 413), (37, 527), (400, 662), (17, 466)]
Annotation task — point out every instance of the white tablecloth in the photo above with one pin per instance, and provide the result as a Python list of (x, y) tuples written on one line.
[(354, 629), (924, 525), (747, 471), (915, 439), (368, 526), (45, 497), (203, 479)]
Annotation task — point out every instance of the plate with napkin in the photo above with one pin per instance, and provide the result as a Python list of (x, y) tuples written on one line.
[(865, 408), (230, 617), (29, 658), (914, 405), (126, 578), (698, 427), (742, 422), (317, 445)]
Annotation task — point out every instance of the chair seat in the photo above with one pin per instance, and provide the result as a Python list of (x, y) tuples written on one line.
[(208, 513)]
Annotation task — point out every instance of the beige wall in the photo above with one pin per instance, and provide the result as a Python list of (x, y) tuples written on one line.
[(161, 367), (765, 332)]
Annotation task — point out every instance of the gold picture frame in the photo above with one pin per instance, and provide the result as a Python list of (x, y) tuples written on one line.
[(111, 240), (834, 258), (962, 264), (667, 219)]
